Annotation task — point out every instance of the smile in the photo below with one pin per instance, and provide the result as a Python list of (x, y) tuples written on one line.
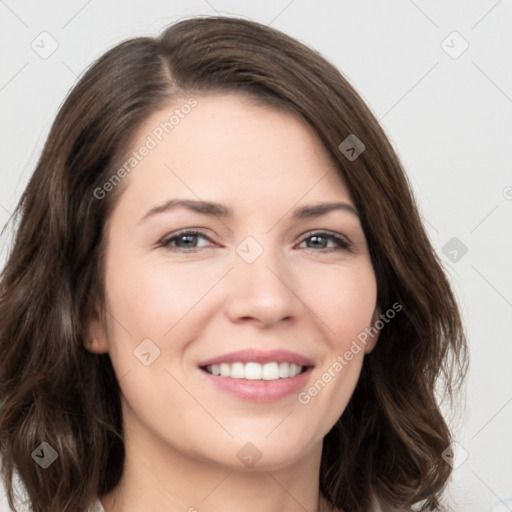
[(255, 371), (258, 375)]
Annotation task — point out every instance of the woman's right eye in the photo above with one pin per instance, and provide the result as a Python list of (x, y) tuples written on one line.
[(183, 240)]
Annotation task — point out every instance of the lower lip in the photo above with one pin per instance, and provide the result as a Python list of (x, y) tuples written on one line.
[(259, 390)]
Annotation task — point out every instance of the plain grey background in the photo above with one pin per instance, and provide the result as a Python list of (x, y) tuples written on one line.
[(437, 75)]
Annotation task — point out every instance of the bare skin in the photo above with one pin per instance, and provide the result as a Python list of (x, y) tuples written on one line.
[(198, 298)]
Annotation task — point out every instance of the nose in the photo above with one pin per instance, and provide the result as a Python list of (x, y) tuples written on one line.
[(262, 292)]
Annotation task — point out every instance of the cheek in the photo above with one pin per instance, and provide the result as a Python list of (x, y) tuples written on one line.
[(152, 298), (343, 300), (347, 305), (163, 303)]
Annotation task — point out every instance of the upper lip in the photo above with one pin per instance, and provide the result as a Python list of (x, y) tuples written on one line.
[(259, 356)]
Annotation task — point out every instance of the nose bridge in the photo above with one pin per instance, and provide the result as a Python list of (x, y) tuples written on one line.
[(261, 264), (262, 283)]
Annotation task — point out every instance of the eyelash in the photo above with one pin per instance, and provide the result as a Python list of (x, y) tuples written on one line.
[(342, 243)]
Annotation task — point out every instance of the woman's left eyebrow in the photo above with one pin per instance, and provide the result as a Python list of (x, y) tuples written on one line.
[(306, 212), (220, 210)]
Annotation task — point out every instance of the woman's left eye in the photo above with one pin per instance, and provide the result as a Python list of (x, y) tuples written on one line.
[(188, 240), (321, 236)]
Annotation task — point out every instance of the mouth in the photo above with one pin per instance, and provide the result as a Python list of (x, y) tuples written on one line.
[(255, 375), (255, 371)]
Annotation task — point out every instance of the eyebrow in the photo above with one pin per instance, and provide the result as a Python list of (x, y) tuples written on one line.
[(220, 210)]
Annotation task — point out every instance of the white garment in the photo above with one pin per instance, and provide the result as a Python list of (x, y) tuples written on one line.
[(97, 507)]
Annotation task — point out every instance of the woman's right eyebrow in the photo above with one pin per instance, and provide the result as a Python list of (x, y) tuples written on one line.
[(220, 210)]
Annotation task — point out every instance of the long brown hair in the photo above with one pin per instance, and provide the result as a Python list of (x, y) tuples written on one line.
[(386, 447)]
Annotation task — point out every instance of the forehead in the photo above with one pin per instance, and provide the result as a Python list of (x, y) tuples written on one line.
[(228, 145)]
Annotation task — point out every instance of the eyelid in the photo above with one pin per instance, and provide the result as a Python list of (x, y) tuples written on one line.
[(165, 241), (342, 242), (328, 232)]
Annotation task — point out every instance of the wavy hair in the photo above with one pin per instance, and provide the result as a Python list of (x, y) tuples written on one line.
[(386, 447)]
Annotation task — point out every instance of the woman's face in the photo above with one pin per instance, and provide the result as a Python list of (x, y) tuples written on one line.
[(263, 282)]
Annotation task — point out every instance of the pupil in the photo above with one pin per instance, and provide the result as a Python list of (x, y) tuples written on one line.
[(186, 238), (313, 238)]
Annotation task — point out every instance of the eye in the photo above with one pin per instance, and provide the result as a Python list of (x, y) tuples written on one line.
[(320, 238), (186, 239)]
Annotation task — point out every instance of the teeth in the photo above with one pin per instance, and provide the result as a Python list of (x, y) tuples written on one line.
[(237, 371), (284, 369), (255, 371), (225, 370), (270, 371)]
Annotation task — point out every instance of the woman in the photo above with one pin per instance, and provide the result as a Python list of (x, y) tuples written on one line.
[(221, 294)]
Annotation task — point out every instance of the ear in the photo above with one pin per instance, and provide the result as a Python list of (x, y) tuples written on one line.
[(96, 339), (373, 332)]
